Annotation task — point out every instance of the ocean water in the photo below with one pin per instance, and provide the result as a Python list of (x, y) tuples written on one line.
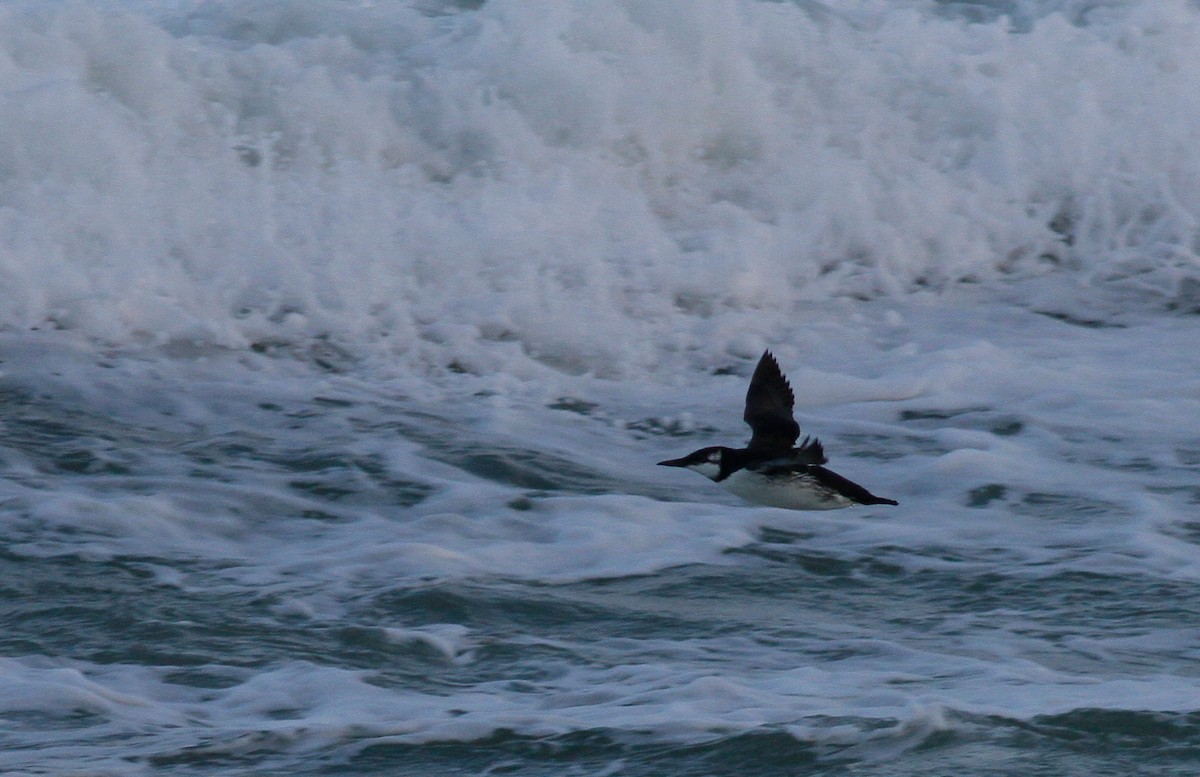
[(338, 341)]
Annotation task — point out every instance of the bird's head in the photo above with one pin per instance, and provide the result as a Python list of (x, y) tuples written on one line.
[(706, 461)]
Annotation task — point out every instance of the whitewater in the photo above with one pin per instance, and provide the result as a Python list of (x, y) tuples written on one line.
[(339, 340)]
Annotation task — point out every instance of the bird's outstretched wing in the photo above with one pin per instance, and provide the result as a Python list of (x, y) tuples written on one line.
[(769, 402)]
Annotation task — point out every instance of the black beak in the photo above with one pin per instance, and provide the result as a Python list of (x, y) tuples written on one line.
[(672, 463)]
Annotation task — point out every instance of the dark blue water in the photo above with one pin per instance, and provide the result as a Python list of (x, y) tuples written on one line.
[(214, 592)]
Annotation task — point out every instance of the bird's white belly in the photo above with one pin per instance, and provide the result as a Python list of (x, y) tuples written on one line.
[(799, 492)]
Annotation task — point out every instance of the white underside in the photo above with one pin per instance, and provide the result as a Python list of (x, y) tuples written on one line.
[(797, 493)]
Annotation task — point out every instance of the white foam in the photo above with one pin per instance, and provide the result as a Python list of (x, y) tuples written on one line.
[(602, 186), (450, 640)]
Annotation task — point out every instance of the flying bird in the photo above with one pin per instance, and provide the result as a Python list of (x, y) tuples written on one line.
[(772, 470)]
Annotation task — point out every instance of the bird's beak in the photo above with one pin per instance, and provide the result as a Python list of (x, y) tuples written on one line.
[(672, 463)]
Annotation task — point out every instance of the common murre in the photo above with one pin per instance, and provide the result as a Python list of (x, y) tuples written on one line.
[(770, 470)]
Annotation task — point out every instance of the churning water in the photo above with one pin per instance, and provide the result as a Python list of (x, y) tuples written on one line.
[(338, 341)]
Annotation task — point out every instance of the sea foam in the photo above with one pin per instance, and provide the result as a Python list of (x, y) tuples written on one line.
[(596, 187)]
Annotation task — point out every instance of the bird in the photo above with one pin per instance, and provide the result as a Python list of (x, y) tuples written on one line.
[(772, 470)]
